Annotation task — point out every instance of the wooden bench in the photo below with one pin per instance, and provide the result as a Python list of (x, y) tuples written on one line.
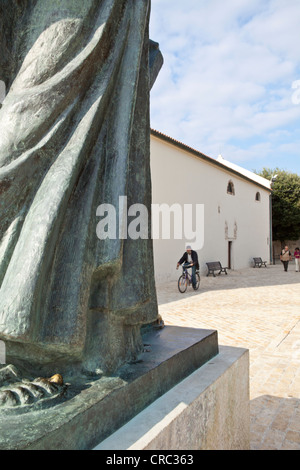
[(259, 262), (215, 266)]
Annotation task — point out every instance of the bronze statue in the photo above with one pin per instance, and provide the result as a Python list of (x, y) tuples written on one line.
[(74, 133)]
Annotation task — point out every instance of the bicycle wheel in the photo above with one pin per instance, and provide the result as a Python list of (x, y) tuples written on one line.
[(197, 281), (182, 284)]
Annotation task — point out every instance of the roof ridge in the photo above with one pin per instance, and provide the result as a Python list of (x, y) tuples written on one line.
[(214, 161)]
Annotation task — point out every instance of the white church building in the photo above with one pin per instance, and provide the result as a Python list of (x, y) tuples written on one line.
[(220, 209)]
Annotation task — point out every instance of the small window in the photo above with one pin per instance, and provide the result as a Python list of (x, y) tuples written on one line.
[(257, 197), (230, 188)]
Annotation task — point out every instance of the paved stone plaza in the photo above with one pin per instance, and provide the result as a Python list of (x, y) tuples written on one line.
[(257, 309)]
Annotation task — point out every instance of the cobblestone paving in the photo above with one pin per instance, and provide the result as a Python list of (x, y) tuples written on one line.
[(258, 309)]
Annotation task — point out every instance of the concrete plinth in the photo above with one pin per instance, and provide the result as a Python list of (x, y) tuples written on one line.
[(91, 414), (209, 410)]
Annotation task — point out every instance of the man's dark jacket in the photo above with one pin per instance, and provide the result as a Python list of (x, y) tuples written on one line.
[(194, 258)]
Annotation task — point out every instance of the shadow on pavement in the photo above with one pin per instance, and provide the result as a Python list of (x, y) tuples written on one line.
[(275, 423)]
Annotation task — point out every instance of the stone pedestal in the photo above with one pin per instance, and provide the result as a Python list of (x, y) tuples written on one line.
[(209, 410), (96, 409)]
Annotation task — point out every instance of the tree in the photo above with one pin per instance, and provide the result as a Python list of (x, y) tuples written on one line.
[(285, 203)]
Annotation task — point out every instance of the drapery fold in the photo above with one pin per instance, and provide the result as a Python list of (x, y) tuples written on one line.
[(74, 134)]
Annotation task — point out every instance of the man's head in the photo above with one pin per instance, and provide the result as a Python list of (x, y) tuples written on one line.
[(286, 248), (189, 249)]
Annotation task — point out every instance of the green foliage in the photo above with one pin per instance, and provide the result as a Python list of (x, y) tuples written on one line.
[(285, 203)]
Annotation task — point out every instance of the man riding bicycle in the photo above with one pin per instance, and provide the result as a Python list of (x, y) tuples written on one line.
[(190, 260)]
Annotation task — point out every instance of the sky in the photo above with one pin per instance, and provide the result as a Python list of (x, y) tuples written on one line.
[(230, 83)]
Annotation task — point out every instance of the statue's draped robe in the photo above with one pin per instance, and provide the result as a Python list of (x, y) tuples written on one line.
[(74, 133)]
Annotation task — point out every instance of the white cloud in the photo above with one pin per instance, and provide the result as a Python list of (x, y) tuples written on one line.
[(228, 72)]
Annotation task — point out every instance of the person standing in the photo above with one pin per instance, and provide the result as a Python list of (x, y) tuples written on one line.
[(297, 259), (285, 257)]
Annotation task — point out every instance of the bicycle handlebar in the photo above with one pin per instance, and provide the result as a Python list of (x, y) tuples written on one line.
[(185, 267)]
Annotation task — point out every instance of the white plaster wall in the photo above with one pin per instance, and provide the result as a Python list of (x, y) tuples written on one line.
[(180, 177)]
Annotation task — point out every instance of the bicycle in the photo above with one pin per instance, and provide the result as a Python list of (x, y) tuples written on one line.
[(186, 279)]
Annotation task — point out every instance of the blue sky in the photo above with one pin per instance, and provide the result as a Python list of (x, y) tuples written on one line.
[(226, 86)]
